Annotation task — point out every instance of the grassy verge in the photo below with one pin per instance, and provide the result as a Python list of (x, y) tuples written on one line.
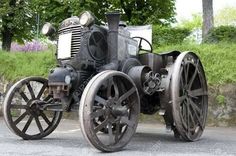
[(14, 66), (219, 61)]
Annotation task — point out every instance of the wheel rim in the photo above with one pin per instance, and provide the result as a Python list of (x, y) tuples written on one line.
[(21, 109), (189, 96), (113, 96)]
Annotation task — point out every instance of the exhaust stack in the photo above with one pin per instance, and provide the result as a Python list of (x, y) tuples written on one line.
[(113, 19)]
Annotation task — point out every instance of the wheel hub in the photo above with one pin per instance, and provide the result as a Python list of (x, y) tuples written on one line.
[(116, 108), (34, 108), (119, 111)]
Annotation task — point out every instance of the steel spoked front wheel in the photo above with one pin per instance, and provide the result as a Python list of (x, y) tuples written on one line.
[(189, 96), (110, 101), (23, 111)]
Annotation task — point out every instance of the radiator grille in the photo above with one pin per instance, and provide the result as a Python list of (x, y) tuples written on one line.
[(76, 31)]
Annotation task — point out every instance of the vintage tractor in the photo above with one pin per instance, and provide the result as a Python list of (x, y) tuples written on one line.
[(109, 78)]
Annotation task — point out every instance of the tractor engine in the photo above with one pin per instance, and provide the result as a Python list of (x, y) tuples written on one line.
[(80, 52), (85, 49)]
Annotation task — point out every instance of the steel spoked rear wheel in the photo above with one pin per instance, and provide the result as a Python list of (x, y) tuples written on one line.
[(110, 101), (22, 109), (189, 96)]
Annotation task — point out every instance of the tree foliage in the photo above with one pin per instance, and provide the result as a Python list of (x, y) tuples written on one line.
[(142, 11), (18, 17), (135, 11), (194, 23), (226, 16), (16, 21)]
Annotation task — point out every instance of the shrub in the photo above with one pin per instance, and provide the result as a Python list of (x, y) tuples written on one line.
[(221, 34), (221, 100), (169, 36)]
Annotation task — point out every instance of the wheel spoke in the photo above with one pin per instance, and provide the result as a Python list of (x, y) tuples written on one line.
[(14, 106), (181, 99), (196, 114), (97, 113), (126, 121), (111, 83), (42, 90), (186, 69), (194, 106), (184, 114), (109, 86), (102, 125), (111, 140), (27, 124), (117, 131), (100, 100), (188, 124), (30, 90), (130, 104), (39, 124), (45, 118), (116, 90), (197, 92), (192, 119), (22, 94), (47, 98), (20, 118), (127, 94), (193, 76)]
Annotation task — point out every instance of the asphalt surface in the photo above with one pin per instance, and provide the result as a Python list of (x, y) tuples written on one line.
[(150, 139)]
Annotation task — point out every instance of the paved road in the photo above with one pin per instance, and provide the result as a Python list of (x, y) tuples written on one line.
[(150, 139)]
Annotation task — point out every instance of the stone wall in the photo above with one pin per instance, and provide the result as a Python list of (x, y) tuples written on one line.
[(2, 93), (222, 105), (221, 111)]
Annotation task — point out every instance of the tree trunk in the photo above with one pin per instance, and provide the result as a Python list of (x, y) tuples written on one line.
[(6, 39), (208, 19), (7, 33)]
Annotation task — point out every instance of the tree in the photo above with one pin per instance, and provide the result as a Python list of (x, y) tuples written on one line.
[(52, 11), (135, 11), (18, 17), (208, 20), (194, 23), (142, 11), (16, 22)]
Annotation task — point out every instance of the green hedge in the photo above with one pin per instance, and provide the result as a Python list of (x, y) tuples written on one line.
[(221, 34), (169, 36)]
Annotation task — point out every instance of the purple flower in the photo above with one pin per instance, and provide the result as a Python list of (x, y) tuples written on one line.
[(34, 46)]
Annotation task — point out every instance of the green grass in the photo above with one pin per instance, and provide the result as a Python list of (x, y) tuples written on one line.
[(14, 66), (219, 61)]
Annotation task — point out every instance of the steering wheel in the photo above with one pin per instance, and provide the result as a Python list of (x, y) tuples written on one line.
[(141, 39)]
